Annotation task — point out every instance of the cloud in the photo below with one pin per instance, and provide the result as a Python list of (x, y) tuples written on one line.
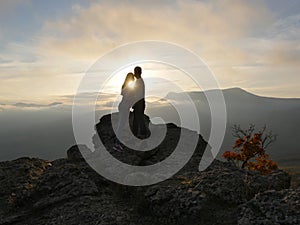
[(104, 101), (205, 26), (33, 105), (287, 28), (236, 38), (284, 42), (7, 6), (283, 54), (22, 105), (281, 40), (88, 95), (5, 61)]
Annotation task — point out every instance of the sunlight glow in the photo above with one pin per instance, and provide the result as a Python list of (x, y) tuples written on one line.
[(151, 70), (131, 84)]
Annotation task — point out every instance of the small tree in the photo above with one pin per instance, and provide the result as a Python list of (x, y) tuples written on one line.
[(249, 151)]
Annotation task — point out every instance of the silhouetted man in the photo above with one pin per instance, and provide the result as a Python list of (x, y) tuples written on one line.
[(139, 128)]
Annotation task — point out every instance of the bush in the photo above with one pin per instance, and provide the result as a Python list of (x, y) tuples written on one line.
[(249, 151)]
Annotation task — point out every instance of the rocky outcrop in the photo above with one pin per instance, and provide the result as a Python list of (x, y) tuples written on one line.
[(105, 131), (272, 207), (212, 196), (18, 177), (67, 191)]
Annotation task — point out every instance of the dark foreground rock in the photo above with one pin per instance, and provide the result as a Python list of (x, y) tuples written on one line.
[(68, 192), (272, 207)]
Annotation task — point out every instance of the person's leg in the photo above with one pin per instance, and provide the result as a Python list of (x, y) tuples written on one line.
[(135, 122), (139, 127), (121, 123), (142, 124), (122, 120)]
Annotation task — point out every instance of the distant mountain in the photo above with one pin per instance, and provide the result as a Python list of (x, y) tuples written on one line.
[(281, 115)]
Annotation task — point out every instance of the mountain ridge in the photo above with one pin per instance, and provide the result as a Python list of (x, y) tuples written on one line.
[(238, 90)]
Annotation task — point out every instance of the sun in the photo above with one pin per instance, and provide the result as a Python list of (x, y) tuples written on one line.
[(131, 84)]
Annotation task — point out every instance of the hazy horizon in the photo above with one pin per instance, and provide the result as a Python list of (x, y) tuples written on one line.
[(46, 132), (67, 100)]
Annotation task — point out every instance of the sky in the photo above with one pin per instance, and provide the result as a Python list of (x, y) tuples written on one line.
[(46, 47)]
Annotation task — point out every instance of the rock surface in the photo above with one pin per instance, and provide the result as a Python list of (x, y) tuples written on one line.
[(68, 192), (272, 207)]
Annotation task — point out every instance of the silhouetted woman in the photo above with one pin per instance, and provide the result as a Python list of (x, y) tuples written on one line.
[(124, 108)]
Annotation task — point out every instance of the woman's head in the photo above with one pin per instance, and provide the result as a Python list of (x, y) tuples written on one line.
[(129, 78)]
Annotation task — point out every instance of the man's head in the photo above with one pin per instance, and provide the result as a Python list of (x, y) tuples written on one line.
[(137, 72)]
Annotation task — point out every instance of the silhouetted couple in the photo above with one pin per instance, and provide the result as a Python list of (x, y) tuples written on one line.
[(133, 96)]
